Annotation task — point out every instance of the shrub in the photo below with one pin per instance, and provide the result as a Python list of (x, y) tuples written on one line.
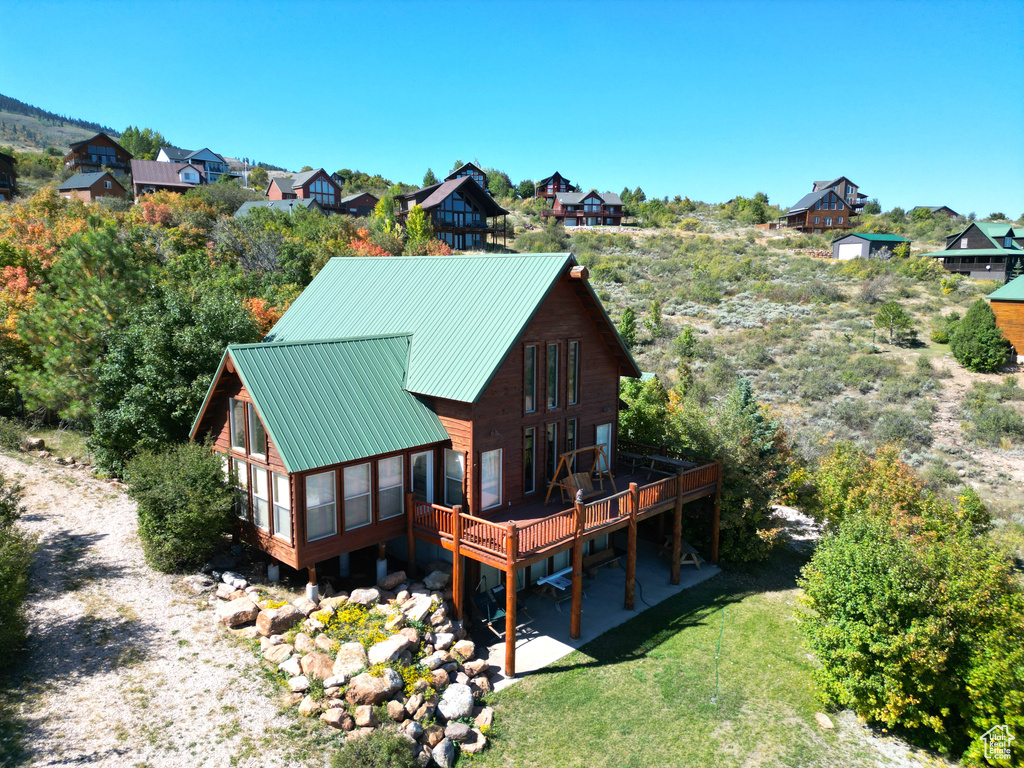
[(976, 343), (904, 428), (944, 327), (380, 749), (16, 550), (12, 434), (989, 421), (895, 321), (185, 505)]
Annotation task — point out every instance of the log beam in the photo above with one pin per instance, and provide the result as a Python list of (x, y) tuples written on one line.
[(577, 576), (457, 561), (634, 502), (512, 547), (410, 563), (677, 533)]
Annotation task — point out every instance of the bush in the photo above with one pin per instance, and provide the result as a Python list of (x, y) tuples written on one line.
[(185, 505), (16, 550), (12, 434), (380, 749), (944, 327), (904, 428), (987, 420), (976, 343)]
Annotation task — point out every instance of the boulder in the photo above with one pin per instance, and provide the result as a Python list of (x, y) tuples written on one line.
[(485, 718), (338, 718), (392, 580), (304, 643), (317, 664), (411, 634), (236, 580), (440, 679), (310, 707), (476, 744), (396, 711), (237, 594), (483, 683), (369, 596), (461, 677), (405, 658), (237, 612), (434, 735), (332, 604), (444, 753), (291, 667), (291, 699), (435, 660), (426, 711), (394, 623), (298, 684), (34, 444), (476, 667), (365, 716), (359, 733), (413, 729), (274, 621), (464, 649), (440, 616), (367, 689), (388, 650), (224, 591), (276, 654), (457, 702), (443, 640), (335, 682), (199, 583), (824, 720), (325, 644), (418, 608), (305, 605), (436, 580), (351, 660), (458, 732), (415, 702), (401, 596), (333, 702)]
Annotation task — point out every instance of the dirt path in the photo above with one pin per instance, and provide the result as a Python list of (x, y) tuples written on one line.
[(125, 666)]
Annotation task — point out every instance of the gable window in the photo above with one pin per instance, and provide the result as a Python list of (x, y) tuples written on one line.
[(322, 191), (237, 418), (240, 471), (552, 382), (1007, 242), (454, 472), (490, 479), (260, 498), (817, 206), (357, 496), (573, 372), (257, 435), (389, 487), (963, 242), (551, 463), (282, 508), (106, 184), (530, 379), (849, 189), (321, 506), (529, 473), (840, 205)]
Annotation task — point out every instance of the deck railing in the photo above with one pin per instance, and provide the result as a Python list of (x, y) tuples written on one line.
[(432, 517), (547, 531), (483, 534), (600, 513), (655, 493)]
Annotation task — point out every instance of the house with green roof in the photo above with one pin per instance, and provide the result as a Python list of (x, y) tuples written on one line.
[(986, 250), (865, 245)]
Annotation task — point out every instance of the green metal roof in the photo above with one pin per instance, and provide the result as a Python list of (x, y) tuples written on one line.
[(464, 312), (1012, 291), (332, 401), (881, 238), (954, 252)]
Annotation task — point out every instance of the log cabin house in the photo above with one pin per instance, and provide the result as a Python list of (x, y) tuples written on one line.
[(427, 412), (552, 186), (474, 171), (359, 204), (309, 185), (96, 154), (586, 209), (845, 188), (819, 212), (945, 210), (88, 187), (461, 212), (8, 178), (985, 250)]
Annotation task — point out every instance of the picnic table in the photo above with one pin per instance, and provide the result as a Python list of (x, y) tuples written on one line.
[(556, 587), (678, 465)]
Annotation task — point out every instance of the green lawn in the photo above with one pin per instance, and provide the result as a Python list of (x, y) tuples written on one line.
[(641, 695)]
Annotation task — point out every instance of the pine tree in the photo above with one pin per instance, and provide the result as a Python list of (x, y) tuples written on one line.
[(977, 343), (627, 327), (429, 179)]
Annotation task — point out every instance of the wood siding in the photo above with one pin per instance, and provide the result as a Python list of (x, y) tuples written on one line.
[(1010, 320)]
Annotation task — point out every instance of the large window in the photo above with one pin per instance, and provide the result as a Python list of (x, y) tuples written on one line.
[(458, 211), (529, 472), (237, 418), (592, 204), (552, 388), (257, 435), (454, 471), (260, 498), (530, 379), (423, 476), (490, 479), (551, 459), (828, 221), (358, 511), (323, 192), (389, 487), (573, 372), (240, 471), (321, 506), (963, 242), (282, 508)]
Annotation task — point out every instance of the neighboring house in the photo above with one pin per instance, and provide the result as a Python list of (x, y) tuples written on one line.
[(819, 212), (418, 404), (586, 209), (359, 204), (475, 172), (845, 188), (309, 185), (288, 206), (986, 250), (1008, 305), (461, 212), (96, 154), (943, 209), (153, 175), (864, 245), (8, 178), (553, 185), (92, 186), (213, 165)]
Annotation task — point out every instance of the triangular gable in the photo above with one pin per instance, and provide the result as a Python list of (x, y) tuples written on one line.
[(198, 155), (458, 171)]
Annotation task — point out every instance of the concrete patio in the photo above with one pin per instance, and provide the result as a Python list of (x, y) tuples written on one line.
[(547, 639)]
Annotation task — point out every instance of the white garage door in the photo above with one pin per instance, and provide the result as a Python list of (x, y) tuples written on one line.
[(850, 251)]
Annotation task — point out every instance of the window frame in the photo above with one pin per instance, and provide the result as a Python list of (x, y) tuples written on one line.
[(243, 448), (551, 391), (461, 480), (368, 495), (400, 486), (333, 503), (256, 497), (276, 504), (240, 481), (550, 450), (530, 468), (572, 372), (251, 419), (500, 479), (529, 388)]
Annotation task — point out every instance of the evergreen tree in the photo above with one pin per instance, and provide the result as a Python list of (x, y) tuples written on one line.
[(627, 327), (977, 343), (895, 320), (429, 178)]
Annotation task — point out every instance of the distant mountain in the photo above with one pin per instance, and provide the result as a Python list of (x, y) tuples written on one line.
[(25, 127)]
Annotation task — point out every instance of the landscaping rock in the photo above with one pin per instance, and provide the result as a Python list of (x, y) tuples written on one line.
[(333, 702), (461, 677), (485, 718), (369, 596), (366, 717), (396, 711), (440, 679), (394, 623), (34, 444), (476, 744), (458, 629), (304, 643), (236, 580), (424, 758), (476, 667), (310, 707), (199, 583), (464, 649), (413, 729), (434, 735), (277, 620), (824, 720), (325, 644), (291, 699), (411, 634), (437, 580), (367, 689), (305, 605), (276, 654), (338, 718), (402, 596), (335, 682), (418, 608), (440, 616), (237, 612), (435, 660), (457, 702), (351, 660), (332, 604), (298, 684), (291, 667), (458, 732), (392, 580), (414, 703), (224, 591), (427, 710), (317, 664), (443, 640), (388, 650), (483, 683), (237, 594), (444, 753)]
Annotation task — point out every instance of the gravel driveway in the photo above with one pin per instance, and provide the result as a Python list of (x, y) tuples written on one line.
[(125, 666)]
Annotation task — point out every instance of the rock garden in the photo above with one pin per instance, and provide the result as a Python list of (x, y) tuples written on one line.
[(386, 657)]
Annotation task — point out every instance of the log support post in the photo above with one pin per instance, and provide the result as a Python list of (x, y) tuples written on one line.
[(577, 576), (716, 520), (634, 503), (410, 511), (677, 532), (511, 553), (457, 590), (312, 591)]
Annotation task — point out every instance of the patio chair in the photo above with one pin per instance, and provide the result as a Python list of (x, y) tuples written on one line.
[(492, 611)]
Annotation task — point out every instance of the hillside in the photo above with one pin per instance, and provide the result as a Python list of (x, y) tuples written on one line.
[(25, 127)]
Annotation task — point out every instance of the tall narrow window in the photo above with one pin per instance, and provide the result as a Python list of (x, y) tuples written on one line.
[(530, 379), (260, 498), (357, 497), (237, 418), (551, 459), (321, 506), (603, 435), (529, 473), (423, 476), (454, 471), (240, 470), (257, 435), (573, 372), (282, 508), (490, 479), (389, 487), (571, 427), (552, 376)]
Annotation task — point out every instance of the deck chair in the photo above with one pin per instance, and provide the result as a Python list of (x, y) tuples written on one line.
[(492, 611)]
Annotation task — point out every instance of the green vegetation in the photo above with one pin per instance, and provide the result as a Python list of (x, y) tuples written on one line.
[(976, 342), (16, 549), (988, 417), (895, 321), (381, 749)]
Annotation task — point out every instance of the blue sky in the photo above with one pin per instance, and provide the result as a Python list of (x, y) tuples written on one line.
[(917, 102)]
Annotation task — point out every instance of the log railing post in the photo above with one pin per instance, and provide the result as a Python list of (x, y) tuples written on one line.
[(677, 532), (457, 560), (577, 575), (410, 521), (511, 553), (634, 502), (716, 520)]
